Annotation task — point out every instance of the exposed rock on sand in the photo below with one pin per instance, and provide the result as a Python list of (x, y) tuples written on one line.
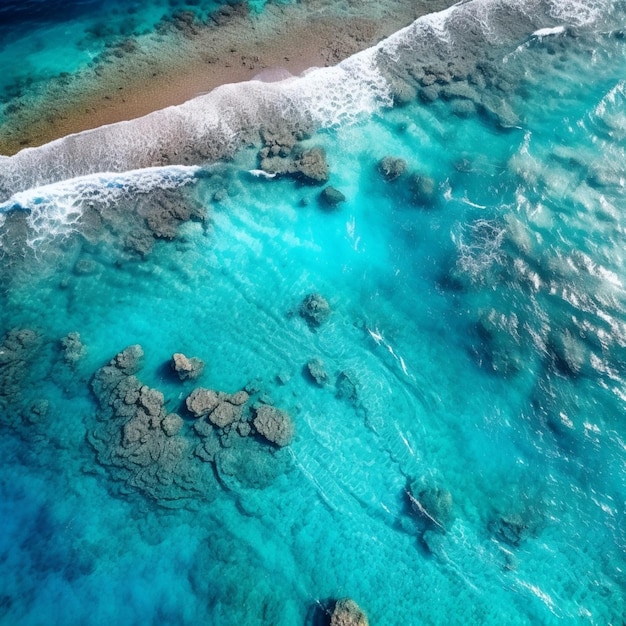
[(274, 425), (348, 613), (315, 309), (187, 368)]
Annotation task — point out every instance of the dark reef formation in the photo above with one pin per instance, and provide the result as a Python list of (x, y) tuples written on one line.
[(282, 155), (331, 198), (155, 215), (225, 439), (315, 309), (348, 613), (391, 168)]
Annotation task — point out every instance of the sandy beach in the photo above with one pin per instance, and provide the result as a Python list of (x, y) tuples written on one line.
[(186, 58)]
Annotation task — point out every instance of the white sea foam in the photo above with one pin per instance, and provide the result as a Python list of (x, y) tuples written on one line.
[(579, 12), (55, 209), (546, 32)]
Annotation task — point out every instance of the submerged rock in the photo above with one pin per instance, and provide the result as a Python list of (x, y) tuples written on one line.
[(348, 613), (316, 371), (392, 168), (311, 166), (224, 414), (501, 345), (308, 166), (73, 348), (432, 504), (423, 190), (187, 368), (569, 353), (331, 197), (315, 309), (274, 425), (346, 387), (17, 352), (128, 361), (172, 424)]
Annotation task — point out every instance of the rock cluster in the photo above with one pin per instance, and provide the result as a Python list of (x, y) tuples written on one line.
[(158, 452), (137, 438), (155, 215), (282, 155), (220, 409), (308, 166)]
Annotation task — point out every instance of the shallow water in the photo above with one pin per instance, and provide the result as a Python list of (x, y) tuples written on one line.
[(479, 315)]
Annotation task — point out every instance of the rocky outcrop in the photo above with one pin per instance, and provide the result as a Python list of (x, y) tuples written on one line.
[(277, 142), (17, 351), (172, 424), (316, 371), (308, 166), (152, 450), (331, 198), (136, 438), (187, 368), (423, 190), (73, 348), (201, 402), (274, 425), (392, 168), (348, 613), (315, 309), (311, 166), (224, 414), (432, 504)]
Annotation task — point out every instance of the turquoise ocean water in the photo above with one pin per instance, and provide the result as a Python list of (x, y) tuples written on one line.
[(463, 461)]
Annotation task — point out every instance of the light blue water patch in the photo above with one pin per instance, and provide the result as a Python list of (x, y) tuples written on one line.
[(477, 315)]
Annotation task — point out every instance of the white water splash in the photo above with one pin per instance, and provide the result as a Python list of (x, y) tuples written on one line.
[(54, 210)]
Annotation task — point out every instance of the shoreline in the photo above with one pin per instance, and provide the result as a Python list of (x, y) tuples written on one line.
[(169, 68)]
